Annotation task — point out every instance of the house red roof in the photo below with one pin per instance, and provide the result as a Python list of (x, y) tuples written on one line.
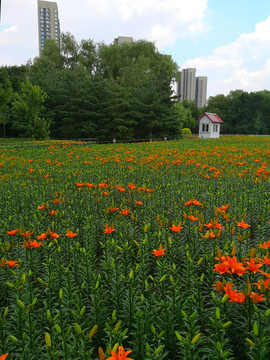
[(212, 117)]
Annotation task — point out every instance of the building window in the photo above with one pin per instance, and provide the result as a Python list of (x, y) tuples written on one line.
[(215, 127), (205, 127)]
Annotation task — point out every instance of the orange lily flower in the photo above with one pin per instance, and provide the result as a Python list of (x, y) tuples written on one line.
[(223, 209), (13, 232), (252, 266), (131, 186), (234, 295), (256, 297), (42, 236), (27, 234), (3, 357), (11, 264), (113, 209), (71, 234), (193, 202), (266, 261), (139, 203), (193, 218), (222, 268), (124, 211), (79, 184), (56, 201), (35, 244), (209, 235), (53, 212), (265, 245), (159, 252), (122, 354), (120, 189), (217, 226), (188, 203), (53, 235), (262, 284), (108, 229), (237, 297), (41, 207), (176, 228), (242, 224), (235, 266)]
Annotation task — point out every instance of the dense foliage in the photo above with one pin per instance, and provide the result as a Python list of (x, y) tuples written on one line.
[(242, 112), (154, 251), (100, 91)]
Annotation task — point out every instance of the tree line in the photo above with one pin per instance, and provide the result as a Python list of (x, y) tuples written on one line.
[(90, 90), (242, 112)]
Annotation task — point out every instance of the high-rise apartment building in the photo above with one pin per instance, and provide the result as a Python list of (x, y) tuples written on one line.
[(191, 87), (48, 23), (186, 84), (200, 94)]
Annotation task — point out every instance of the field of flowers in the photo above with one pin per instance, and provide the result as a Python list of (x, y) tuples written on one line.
[(138, 251)]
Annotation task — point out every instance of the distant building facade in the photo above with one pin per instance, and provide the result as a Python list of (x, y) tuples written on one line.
[(186, 84), (48, 23), (200, 92), (123, 39), (191, 87)]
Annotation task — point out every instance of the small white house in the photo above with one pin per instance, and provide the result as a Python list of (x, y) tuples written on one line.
[(209, 126)]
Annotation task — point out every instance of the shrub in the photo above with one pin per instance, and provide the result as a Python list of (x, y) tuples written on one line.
[(186, 131)]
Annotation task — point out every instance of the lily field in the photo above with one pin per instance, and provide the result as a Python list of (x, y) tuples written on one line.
[(142, 251)]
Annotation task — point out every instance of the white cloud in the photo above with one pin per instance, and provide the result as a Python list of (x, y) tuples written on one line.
[(18, 41), (12, 28), (142, 19), (160, 21), (6, 35), (243, 64), (162, 33)]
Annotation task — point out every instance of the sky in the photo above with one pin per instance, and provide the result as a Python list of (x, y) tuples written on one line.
[(226, 40)]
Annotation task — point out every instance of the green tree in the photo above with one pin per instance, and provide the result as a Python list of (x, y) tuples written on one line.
[(5, 99), (184, 114), (194, 110), (102, 91), (69, 50), (222, 106), (87, 56), (27, 109)]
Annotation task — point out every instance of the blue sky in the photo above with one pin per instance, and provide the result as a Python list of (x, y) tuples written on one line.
[(227, 20), (227, 41)]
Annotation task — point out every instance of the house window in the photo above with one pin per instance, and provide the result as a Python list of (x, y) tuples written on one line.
[(215, 127), (205, 127)]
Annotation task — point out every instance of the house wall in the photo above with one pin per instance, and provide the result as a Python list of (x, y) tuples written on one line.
[(207, 129)]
